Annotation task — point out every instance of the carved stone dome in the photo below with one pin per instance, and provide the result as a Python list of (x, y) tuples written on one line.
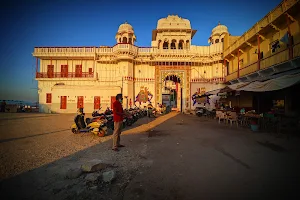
[(218, 30), (125, 28), (173, 22)]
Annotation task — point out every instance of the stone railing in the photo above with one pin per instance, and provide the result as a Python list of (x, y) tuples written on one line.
[(269, 18), (272, 60), (249, 69), (92, 51), (64, 75)]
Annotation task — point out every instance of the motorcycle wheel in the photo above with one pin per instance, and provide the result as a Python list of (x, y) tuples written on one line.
[(74, 130), (101, 133)]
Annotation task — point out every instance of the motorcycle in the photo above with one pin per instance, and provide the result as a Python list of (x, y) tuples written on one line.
[(97, 127), (97, 113), (200, 111), (108, 111)]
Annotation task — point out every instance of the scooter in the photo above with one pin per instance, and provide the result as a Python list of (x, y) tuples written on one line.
[(96, 127)]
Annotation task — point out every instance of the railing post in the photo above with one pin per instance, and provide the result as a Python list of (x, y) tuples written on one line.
[(258, 52), (289, 37), (238, 71)]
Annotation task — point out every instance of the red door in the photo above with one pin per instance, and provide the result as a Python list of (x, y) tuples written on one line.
[(97, 102), (90, 72), (112, 100), (78, 71), (80, 102), (64, 70), (63, 102), (50, 71)]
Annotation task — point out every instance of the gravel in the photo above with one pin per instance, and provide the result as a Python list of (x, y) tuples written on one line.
[(41, 149)]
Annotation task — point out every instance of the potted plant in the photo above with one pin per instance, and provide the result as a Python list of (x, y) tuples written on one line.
[(254, 125)]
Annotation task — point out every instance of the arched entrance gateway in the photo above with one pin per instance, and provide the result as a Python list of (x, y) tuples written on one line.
[(172, 92), (172, 86)]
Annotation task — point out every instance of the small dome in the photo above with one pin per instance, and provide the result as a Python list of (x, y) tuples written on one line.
[(125, 28), (218, 30)]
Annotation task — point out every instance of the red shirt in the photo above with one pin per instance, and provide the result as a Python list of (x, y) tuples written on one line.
[(117, 108)]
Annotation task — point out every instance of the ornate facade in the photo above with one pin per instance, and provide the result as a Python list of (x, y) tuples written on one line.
[(90, 77)]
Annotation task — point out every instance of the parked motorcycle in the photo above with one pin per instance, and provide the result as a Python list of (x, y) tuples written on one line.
[(200, 111), (97, 127)]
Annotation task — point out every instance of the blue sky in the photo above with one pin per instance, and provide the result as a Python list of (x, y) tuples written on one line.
[(95, 23)]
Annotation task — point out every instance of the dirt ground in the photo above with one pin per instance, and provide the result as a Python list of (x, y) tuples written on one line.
[(175, 156)]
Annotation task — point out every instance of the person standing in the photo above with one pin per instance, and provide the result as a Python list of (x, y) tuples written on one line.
[(118, 122)]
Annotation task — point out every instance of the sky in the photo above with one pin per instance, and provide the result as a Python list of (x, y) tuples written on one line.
[(31, 23)]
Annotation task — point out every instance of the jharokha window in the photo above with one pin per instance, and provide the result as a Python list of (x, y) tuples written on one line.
[(48, 98)]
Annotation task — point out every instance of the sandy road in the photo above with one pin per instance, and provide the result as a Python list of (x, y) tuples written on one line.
[(29, 140)]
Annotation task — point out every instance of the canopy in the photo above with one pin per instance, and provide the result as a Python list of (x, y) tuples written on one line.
[(236, 86), (272, 84)]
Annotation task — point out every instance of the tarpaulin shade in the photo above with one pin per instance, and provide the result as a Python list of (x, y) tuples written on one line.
[(271, 85)]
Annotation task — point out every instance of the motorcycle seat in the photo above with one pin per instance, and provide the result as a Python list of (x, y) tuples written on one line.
[(84, 130)]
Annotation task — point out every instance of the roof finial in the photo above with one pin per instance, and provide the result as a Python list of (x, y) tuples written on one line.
[(219, 23), (126, 22)]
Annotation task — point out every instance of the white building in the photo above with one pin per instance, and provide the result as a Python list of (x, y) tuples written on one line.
[(90, 77)]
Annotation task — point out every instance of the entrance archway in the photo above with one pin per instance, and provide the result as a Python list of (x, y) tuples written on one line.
[(172, 91)]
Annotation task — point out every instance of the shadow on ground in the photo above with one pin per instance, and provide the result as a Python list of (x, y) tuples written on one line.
[(50, 182), (173, 157)]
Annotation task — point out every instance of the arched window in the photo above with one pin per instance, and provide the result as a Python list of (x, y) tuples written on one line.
[(119, 40), (212, 41), (124, 40), (187, 44), (173, 44), (180, 45), (217, 40), (222, 40), (130, 41), (165, 45), (159, 43)]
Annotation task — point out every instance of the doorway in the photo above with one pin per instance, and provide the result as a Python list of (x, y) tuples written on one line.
[(172, 92)]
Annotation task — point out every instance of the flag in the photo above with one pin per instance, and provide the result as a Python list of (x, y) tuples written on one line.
[(285, 38)]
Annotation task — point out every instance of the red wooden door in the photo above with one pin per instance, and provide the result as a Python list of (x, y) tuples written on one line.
[(112, 100), (80, 102), (96, 102), (63, 102), (90, 71), (78, 71), (64, 70), (50, 71)]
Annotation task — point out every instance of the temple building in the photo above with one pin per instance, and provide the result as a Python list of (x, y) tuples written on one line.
[(171, 71)]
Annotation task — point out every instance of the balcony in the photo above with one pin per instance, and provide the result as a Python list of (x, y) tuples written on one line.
[(60, 75), (267, 20), (277, 62), (63, 52)]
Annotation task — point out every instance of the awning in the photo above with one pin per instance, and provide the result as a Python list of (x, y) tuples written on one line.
[(234, 87), (213, 92), (272, 84)]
